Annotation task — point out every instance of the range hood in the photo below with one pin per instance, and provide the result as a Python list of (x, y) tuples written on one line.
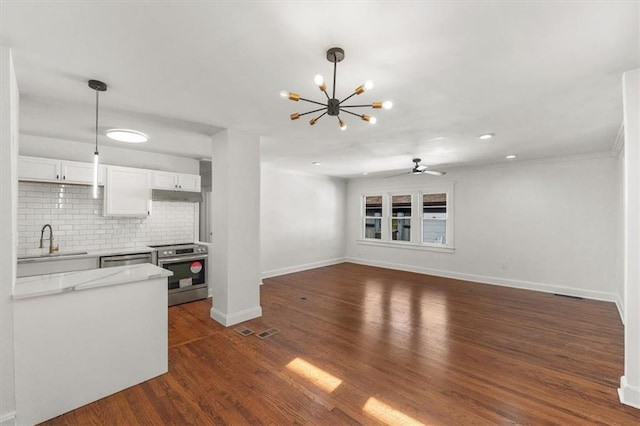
[(170, 195)]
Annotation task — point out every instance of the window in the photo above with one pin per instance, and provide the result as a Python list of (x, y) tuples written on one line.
[(401, 217), (416, 219), (373, 217), (434, 218)]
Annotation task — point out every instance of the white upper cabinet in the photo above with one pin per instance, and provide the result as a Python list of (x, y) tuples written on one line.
[(58, 171), (176, 181), (127, 192), (189, 182)]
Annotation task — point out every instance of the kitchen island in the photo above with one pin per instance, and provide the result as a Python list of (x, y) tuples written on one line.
[(80, 336)]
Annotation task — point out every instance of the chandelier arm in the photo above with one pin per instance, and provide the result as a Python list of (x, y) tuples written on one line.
[(348, 97), (311, 112), (321, 115), (326, 94), (355, 106), (335, 66), (349, 112), (313, 102)]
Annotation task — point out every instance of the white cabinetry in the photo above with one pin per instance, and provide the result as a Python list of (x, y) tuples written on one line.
[(58, 171), (127, 192), (176, 181)]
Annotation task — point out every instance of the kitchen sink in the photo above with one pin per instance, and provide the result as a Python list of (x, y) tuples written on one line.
[(41, 256)]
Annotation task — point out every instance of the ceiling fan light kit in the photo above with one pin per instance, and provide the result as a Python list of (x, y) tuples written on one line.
[(334, 106)]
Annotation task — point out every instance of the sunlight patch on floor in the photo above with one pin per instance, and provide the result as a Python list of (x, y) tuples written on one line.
[(315, 375), (388, 414)]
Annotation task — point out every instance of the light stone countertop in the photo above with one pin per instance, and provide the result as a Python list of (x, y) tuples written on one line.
[(44, 285), (89, 253)]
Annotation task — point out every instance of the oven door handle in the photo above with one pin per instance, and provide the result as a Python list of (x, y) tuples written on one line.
[(181, 259)]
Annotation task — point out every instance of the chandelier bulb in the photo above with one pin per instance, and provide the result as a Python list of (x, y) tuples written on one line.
[(368, 85), (290, 95), (295, 116), (342, 124), (369, 119), (318, 80), (387, 105), (313, 120)]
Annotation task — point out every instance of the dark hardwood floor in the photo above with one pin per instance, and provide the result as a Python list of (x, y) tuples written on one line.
[(364, 345)]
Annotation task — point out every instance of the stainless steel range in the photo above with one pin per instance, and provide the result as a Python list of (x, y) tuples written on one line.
[(188, 262)]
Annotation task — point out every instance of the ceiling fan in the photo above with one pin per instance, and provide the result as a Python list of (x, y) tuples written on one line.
[(419, 169)]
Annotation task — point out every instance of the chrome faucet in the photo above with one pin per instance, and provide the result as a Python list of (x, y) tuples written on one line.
[(51, 247)]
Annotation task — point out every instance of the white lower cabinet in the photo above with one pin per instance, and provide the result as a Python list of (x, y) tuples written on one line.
[(127, 192)]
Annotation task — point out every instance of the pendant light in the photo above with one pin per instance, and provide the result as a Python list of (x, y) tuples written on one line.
[(98, 86)]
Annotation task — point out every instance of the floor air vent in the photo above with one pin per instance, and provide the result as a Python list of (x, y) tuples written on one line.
[(267, 333), (244, 331)]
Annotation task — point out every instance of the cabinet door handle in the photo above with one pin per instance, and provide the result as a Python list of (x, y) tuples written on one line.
[(57, 176), (64, 177)]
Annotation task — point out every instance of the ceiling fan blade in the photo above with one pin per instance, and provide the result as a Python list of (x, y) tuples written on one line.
[(420, 168), (434, 172), (401, 174)]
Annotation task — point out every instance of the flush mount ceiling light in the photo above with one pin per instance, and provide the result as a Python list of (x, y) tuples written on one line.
[(334, 106), (486, 136), (511, 156), (127, 135), (98, 86)]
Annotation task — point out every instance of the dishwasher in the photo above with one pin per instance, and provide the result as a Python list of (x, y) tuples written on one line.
[(125, 259)]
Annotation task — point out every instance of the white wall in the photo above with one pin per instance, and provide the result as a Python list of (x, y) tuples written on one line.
[(8, 230), (301, 221), (235, 215), (553, 222), (629, 390), (619, 218), (38, 146)]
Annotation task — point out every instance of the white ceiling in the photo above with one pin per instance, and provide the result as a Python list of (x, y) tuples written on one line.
[(545, 77)]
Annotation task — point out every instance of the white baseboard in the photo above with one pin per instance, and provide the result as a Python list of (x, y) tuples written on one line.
[(629, 395), (304, 267), (525, 285), (8, 419), (236, 317)]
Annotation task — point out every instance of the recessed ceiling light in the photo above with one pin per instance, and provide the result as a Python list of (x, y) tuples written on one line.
[(485, 136), (510, 157), (365, 173), (127, 135), (317, 163)]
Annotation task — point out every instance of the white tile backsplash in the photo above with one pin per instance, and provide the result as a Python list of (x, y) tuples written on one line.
[(78, 224)]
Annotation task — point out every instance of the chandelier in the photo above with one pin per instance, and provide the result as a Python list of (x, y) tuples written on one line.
[(334, 106)]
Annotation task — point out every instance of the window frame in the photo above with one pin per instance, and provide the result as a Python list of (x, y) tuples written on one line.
[(448, 218), (417, 221), (391, 217), (364, 217)]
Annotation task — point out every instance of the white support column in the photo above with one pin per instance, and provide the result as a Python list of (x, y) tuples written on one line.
[(629, 390), (8, 230), (235, 251)]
